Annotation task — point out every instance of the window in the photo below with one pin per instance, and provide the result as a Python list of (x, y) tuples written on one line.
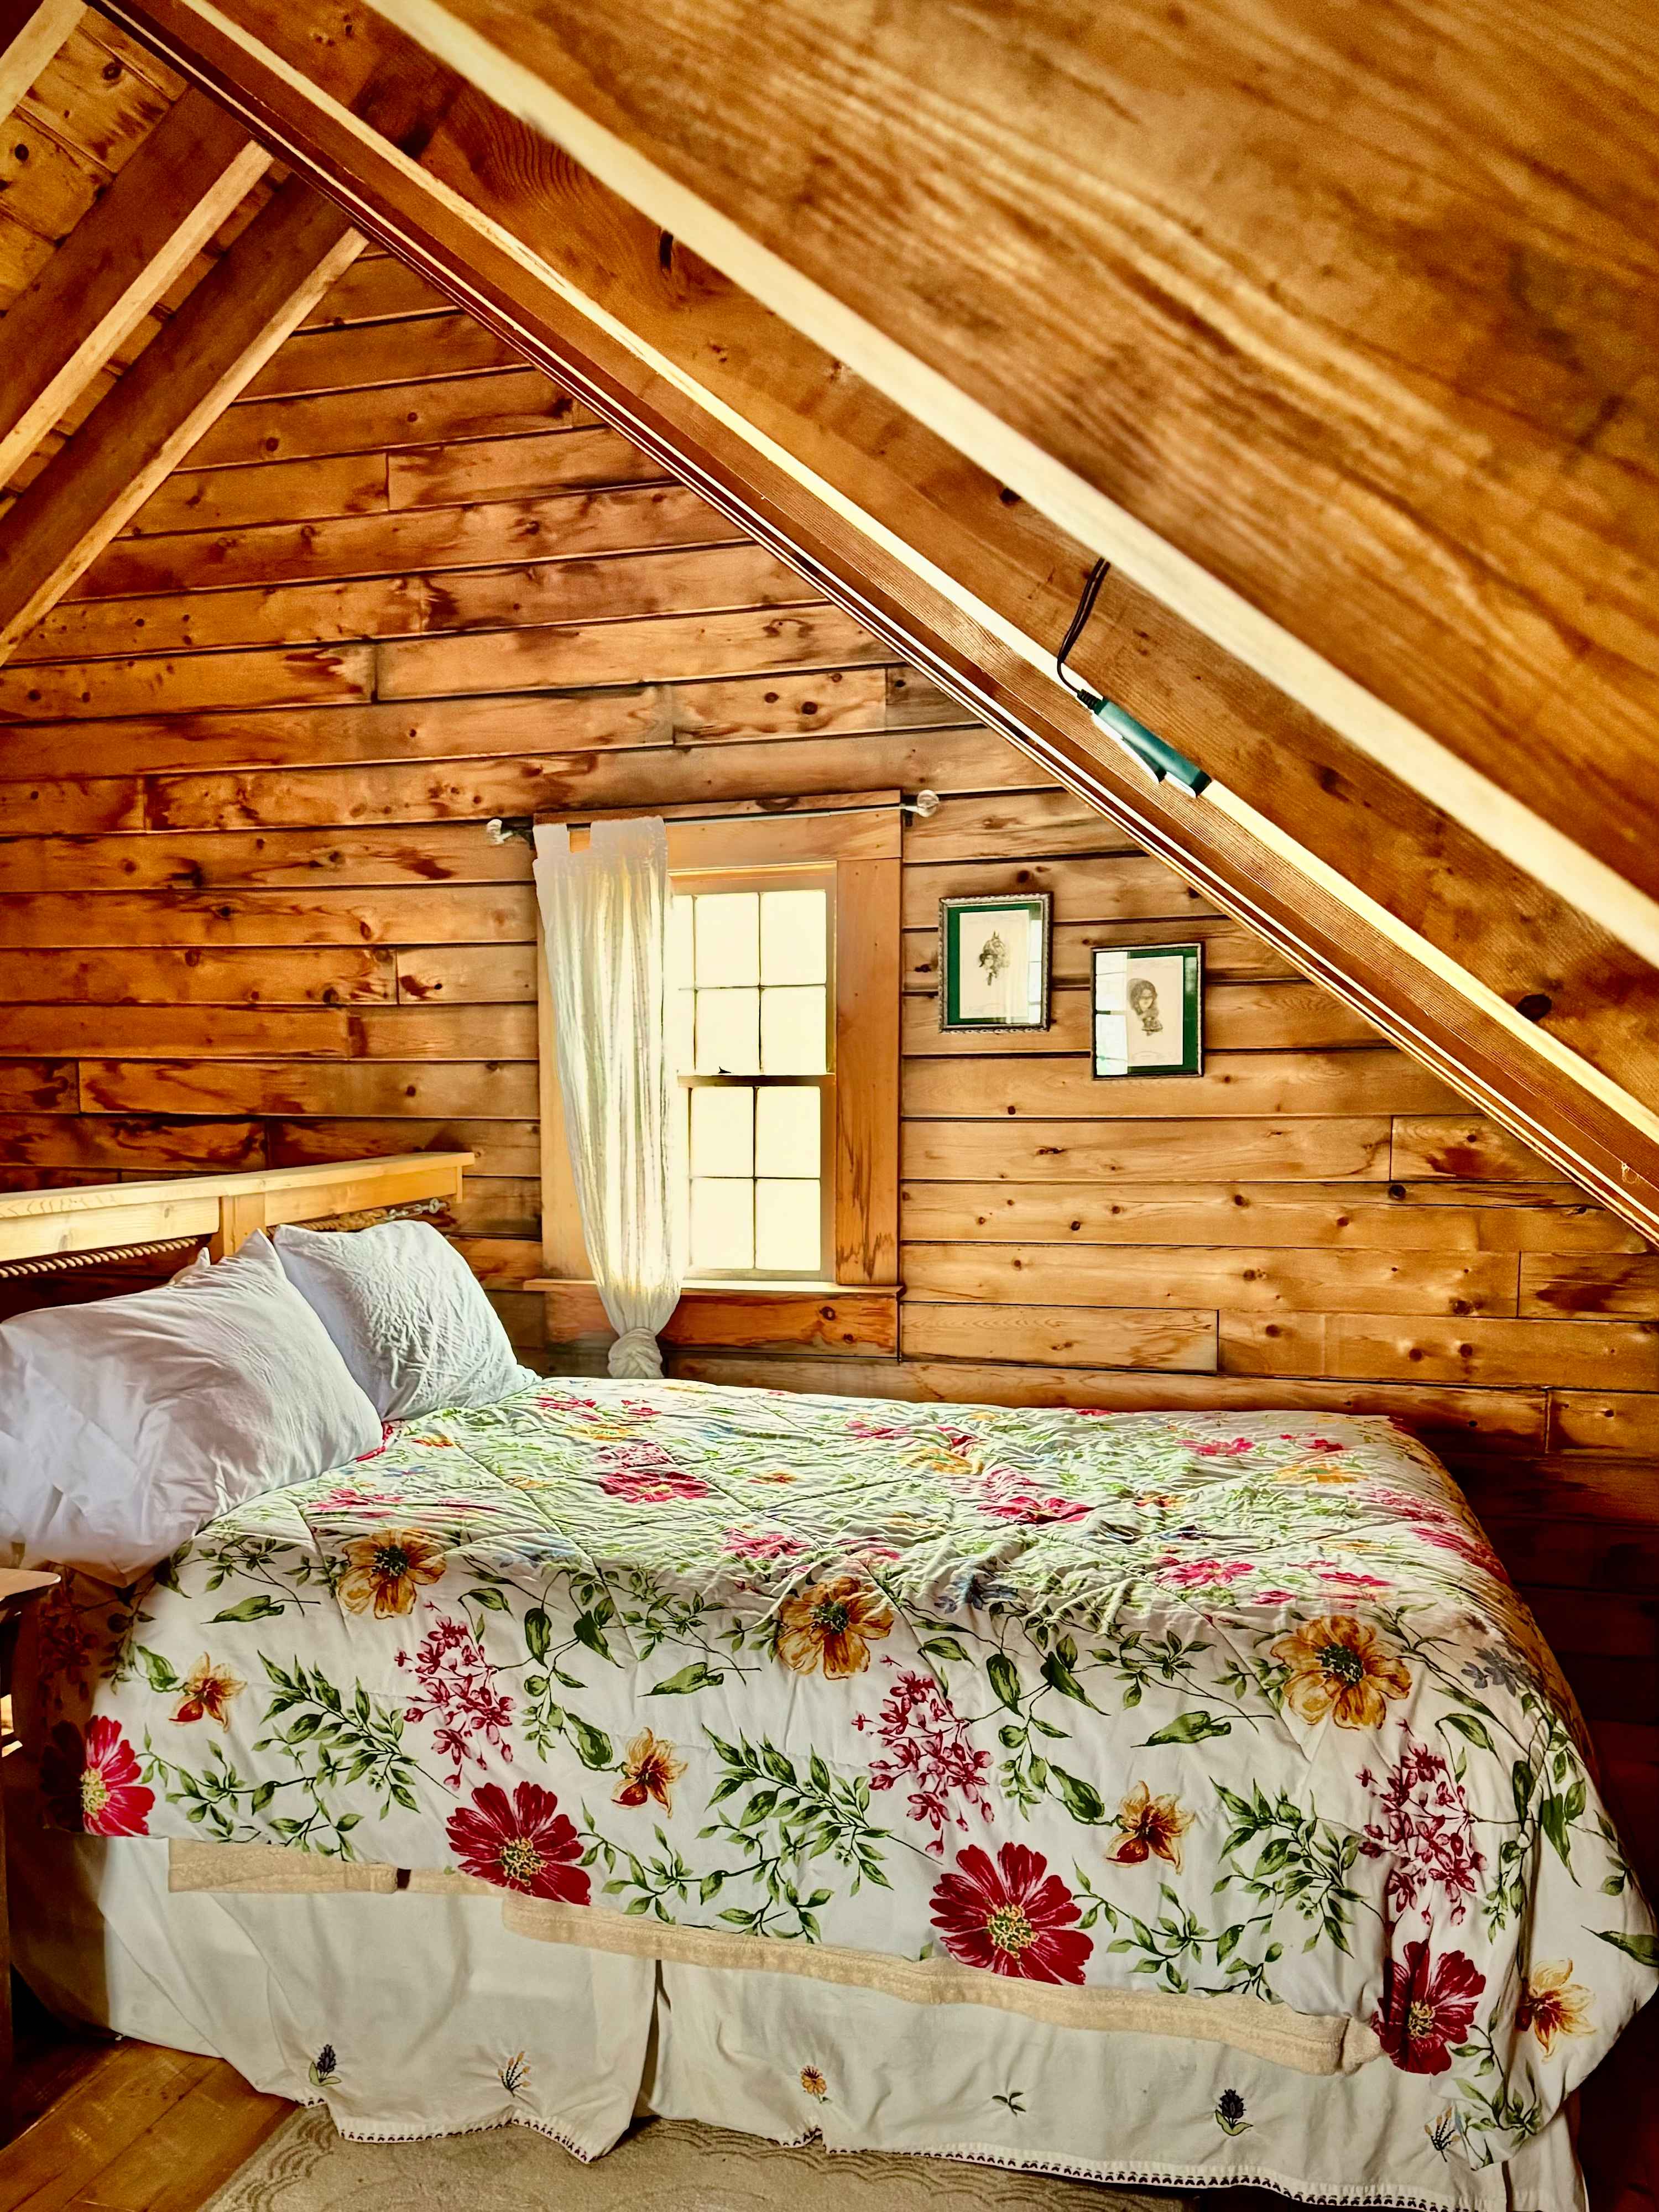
[(786, 945), (753, 1042)]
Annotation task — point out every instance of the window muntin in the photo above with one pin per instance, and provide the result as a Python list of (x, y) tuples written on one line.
[(753, 1025)]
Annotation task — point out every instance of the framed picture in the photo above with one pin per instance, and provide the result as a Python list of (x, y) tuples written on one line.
[(1149, 1009), (994, 962)]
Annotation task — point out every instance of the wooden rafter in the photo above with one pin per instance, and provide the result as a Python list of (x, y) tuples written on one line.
[(1442, 558), (698, 375), (31, 32), (163, 207), (228, 327)]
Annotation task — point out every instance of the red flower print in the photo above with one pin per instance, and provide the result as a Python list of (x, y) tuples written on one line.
[(1196, 1574), (1425, 2008), (1222, 1448), (1347, 1577), (644, 1474), (758, 1543), (930, 1752), (1425, 1830), (1032, 1511), (1014, 1917), (528, 1845), (92, 1782)]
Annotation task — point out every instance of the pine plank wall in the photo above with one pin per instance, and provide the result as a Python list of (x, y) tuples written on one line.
[(249, 916)]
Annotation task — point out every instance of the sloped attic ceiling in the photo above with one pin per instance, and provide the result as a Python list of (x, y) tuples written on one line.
[(1364, 443)]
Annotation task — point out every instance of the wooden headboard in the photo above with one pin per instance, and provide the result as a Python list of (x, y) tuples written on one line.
[(222, 1210)]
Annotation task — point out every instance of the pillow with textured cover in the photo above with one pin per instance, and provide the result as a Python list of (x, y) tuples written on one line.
[(406, 1313), (128, 1424)]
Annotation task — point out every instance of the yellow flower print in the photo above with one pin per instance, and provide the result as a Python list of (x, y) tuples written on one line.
[(832, 1624), (1551, 2005), (1152, 1828), (650, 1769), (386, 1570), (209, 1690), (1341, 1667)]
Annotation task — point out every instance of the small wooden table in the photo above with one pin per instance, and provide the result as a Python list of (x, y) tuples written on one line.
[(17, 1586)]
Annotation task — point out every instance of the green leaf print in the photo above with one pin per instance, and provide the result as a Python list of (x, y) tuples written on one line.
[(251, 1608), (160, 1671), (1644, 1949), (699, 1676), (1081, 1800), (538, 1632), (1472, 1731), (1005, 1680), (1190, 1728)]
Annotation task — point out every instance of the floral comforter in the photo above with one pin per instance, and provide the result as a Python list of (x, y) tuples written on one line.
[(1208, 1705)]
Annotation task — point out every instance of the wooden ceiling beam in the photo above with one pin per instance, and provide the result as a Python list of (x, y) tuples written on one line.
[(262, 288), (467, 195), (31, 32), (163, 207), (1184, 283)]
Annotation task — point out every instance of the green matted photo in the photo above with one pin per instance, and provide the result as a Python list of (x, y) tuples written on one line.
[(1149, 1009), (994, 962)]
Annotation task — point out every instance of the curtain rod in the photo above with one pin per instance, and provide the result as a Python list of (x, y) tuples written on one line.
[(502, 829)]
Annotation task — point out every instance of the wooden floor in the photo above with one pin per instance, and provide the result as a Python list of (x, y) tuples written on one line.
[(126, 2127)]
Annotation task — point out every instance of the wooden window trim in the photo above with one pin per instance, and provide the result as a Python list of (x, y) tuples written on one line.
[(857, 834)]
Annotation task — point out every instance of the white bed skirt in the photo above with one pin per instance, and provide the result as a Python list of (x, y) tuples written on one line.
[(414, 2015)]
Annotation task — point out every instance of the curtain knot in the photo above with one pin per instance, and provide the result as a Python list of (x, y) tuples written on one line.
[(636, 1353)]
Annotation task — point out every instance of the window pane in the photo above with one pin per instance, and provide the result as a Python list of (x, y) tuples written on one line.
[(728, 1033), (728, 936), (682, 1021), (793, 928), (722, 1222), (787, 1131), (792, 1032), (788, 1227), (679, 944), (722, 1130)]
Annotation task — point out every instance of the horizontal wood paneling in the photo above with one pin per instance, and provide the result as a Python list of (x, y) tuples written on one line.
[(512, 403), (1233, 1085), (249, 917), (142, 975), (1250, 1278), (1574, 1355), (1059, 1335), (1349, 1217), (1206, 1152)]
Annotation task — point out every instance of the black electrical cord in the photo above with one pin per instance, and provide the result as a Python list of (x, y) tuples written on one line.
[(1086, 607)]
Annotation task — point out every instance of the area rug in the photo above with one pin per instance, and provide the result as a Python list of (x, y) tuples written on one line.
[(662, 2166)]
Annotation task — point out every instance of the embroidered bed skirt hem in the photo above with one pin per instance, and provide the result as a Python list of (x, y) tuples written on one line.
[(1305, 2042)]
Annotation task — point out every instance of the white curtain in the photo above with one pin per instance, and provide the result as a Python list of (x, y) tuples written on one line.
[(605, 921)]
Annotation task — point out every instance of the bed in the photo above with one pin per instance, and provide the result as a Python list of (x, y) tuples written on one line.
[(1172, 1798)]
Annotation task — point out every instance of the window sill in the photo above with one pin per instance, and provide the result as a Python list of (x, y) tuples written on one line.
[(740, 1287), (831, 1317)]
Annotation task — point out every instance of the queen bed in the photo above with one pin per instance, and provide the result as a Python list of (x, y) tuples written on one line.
[(1174, 1798)]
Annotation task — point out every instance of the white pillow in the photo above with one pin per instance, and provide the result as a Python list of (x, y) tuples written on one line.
[(128, 1424), (406, 1314)]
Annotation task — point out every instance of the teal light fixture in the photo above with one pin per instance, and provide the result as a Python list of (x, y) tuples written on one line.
[(1155, 754)]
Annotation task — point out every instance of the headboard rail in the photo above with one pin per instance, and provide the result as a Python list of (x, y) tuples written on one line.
[(121, 1220)]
